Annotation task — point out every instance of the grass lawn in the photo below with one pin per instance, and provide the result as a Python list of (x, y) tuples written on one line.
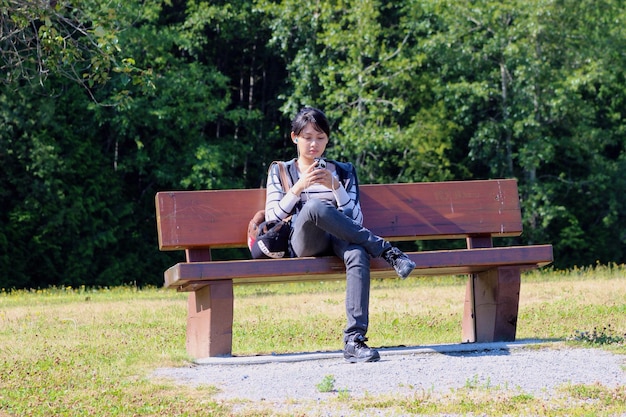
[(71, 352)]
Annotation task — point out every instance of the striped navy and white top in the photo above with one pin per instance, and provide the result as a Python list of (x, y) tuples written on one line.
[(279, 205)]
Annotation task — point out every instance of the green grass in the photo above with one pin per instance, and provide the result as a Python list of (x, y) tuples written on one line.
[(71, 352), (327, 384), (575, 400)]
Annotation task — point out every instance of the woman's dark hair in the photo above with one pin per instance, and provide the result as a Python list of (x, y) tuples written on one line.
[(310, 115)]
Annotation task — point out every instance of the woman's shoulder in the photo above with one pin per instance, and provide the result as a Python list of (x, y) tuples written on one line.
[(344, 165), (344, 169), (275, 165)]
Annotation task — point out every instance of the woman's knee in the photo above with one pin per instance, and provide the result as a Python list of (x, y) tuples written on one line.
[(316, 207)]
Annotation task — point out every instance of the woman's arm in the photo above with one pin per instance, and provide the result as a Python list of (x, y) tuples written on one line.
[(278, 204)]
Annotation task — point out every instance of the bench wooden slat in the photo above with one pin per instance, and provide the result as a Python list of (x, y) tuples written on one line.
[(188, 276), (454, 209), (442, 210)]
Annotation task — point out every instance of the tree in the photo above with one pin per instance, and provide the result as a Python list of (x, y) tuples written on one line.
[(525, 81), (62, 220), (356, 62), (103, 104), (78, 40)]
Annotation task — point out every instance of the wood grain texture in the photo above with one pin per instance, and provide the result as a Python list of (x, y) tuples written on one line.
[(454, 209)]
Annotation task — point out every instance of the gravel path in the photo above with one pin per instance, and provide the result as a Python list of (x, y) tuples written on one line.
[(530, 368)]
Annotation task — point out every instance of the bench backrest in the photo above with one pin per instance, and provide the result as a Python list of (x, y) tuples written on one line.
[(438, 210)]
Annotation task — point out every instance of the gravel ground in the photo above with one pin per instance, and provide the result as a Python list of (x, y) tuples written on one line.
[(281, 381)]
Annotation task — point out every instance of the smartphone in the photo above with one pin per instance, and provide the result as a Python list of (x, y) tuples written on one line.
[(321, 164)]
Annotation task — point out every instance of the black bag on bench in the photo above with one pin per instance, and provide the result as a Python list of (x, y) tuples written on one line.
[(272, 240)]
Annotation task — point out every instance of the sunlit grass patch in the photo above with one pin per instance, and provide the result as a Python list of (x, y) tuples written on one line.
[(484, 399), (595, 399), (74, 352)]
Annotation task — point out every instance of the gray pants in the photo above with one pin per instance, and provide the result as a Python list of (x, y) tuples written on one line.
[(319, 228)]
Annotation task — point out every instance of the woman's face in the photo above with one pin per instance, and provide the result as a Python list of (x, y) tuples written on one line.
[(311, 142)]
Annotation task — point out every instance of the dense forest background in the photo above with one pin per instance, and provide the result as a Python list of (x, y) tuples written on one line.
[(104, 103)]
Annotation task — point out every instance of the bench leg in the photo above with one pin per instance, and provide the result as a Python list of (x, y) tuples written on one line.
[(491, 306), (210, 320)]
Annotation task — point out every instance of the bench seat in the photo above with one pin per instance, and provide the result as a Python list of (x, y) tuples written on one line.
[(189, 276)]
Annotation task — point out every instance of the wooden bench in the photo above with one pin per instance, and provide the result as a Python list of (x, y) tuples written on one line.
[(477, 211)]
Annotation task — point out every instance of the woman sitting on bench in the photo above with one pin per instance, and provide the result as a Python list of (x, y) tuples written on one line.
[(323, 200)]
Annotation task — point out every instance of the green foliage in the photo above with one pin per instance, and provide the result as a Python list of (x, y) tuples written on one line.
[(604, 336), (76, 40), (518, 80), (105, 103), (66, 219), (327, 384)]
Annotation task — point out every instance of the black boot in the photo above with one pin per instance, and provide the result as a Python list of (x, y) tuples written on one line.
[(357, 351), (400, 262)]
